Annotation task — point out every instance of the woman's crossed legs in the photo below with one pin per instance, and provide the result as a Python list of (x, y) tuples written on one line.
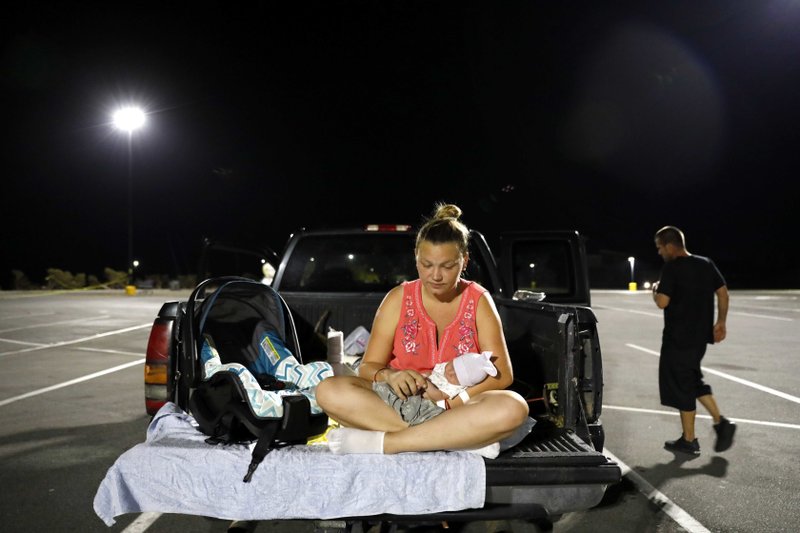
[(483, 421)]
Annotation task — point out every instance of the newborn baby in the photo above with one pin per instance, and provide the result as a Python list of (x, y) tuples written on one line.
[(452, 378), (464, 371)]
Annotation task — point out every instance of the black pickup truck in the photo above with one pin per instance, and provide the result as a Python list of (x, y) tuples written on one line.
[(539, 282)]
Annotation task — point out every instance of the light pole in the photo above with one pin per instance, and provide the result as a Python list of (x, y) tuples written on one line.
[(129, 119), (632, 284)]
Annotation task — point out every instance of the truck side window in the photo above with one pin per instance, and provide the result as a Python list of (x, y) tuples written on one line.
[(543, 266)]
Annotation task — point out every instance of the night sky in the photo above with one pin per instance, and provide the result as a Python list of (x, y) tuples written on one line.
[(264, 118)]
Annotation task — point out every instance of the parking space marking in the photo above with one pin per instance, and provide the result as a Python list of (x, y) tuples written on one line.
[(676, 413), (783, 319), (142, 522), (71, 382), (61, 322), (659, 315), (12, 341), (76, 341), (13, 317), (765, 308), (106, 350), (725, 375), (658, 498), (635, 312)]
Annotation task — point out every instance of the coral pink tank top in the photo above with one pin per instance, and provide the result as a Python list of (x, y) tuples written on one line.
[(415, 339)]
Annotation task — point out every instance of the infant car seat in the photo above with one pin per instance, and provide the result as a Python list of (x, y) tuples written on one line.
[(247, 382)]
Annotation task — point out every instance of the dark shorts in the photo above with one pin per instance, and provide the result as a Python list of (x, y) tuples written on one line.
[(680, 380)]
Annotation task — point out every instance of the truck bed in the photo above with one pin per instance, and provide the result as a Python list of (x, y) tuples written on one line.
[(552, 466), (558, 471)]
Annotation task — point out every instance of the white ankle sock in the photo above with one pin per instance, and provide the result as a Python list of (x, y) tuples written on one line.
[(351, 440), (490, 451)]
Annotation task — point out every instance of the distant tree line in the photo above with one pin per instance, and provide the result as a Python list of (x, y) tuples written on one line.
[(58, 279)]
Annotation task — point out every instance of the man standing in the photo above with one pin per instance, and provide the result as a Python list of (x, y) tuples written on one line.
[(686, 294)]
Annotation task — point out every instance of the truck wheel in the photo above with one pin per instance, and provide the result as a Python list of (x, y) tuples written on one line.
[(242, 526), (598, 436), (530, 526), (338, 526)]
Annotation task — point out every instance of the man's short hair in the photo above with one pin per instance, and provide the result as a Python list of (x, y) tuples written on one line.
[(671, 235)]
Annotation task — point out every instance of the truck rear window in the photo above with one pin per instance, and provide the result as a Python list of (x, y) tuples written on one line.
[(372, 262)]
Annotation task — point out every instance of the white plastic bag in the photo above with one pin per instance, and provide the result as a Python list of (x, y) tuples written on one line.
[(356, 341)]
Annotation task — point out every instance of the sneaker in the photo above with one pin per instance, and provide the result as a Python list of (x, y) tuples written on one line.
[(725, 430), (683, 446)]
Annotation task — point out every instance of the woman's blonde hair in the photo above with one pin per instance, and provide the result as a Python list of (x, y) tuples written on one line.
[(444, 227)]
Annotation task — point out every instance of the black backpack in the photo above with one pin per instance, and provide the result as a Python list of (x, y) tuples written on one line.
[(236, 315)]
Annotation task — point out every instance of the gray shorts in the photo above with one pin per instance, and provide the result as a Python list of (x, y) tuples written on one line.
[(414, 410)]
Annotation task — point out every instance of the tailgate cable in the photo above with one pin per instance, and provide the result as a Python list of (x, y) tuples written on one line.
[(583, 412), (577, 349)]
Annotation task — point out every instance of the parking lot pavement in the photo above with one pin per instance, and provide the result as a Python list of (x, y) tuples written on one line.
[(754, 485), (71, 398)]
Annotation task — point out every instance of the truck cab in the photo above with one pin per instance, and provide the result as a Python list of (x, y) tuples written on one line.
[(539, 283)]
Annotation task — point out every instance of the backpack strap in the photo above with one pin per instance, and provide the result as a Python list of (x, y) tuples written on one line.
[(263, 447), (294, 427)]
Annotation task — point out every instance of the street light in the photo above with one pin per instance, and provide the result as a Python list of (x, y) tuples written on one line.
[(632, 284), (129, 119)]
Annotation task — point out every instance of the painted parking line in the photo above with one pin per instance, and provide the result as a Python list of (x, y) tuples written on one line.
[(13, 341), (658, 498), (71, 382), (765, 308), (142, 522), (633, 311), (660, 315), (77, 341), (27, 315), (107, 350), (59, 323), (754, 315), (676, 413), (725, 375)]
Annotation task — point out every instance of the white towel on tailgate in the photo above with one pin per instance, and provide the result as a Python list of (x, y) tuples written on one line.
[(175, 471)]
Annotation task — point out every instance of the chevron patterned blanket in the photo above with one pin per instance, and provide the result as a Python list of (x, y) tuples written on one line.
[(276, 360)]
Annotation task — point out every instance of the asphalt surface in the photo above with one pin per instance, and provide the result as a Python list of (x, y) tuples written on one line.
[(57, 444)]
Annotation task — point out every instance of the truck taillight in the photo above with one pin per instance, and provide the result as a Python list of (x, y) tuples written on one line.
[(160, 339), (155, 373), (156, 366)]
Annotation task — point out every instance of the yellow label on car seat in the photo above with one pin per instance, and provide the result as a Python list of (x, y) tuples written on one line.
[(269, 349)]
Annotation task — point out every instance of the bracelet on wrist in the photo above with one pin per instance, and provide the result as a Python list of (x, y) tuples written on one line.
[(375, 375)]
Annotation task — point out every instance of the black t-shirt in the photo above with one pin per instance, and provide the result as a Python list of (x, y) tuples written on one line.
[(690, 282)]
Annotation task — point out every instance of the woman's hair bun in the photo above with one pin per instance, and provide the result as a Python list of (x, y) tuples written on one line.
[(447, 211), (445, 227)]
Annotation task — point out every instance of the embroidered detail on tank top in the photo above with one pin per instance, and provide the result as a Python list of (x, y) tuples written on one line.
[(417, 332), (466, 329), (410, 327)]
